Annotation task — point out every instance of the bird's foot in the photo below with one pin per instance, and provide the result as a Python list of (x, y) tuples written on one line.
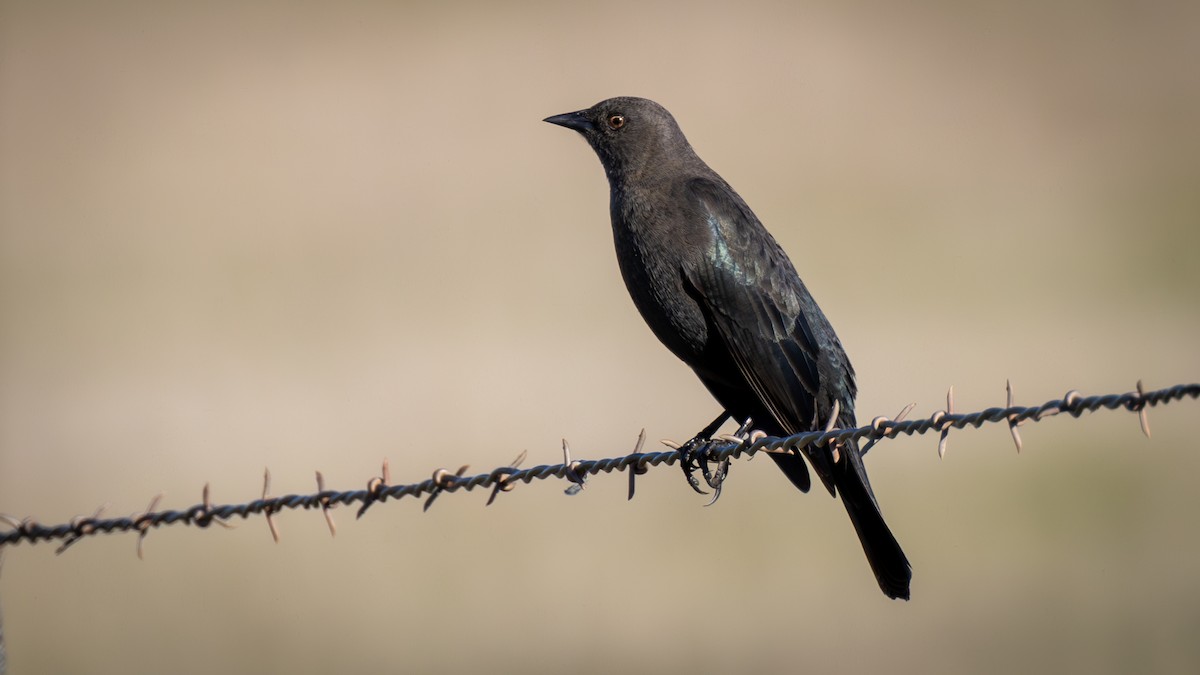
[(695, 456), (689, 453), (715, 480)]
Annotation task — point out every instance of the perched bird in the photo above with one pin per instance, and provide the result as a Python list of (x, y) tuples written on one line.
[(721, 294)]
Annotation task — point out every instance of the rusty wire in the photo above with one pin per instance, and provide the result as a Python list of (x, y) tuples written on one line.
[(503, 479)]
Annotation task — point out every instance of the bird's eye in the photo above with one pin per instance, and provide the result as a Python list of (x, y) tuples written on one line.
[(616, 121)]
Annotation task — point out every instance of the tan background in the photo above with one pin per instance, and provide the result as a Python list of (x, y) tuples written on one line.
[(309, 238)]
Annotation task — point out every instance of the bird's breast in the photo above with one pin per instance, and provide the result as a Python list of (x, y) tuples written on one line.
[(651, 260)]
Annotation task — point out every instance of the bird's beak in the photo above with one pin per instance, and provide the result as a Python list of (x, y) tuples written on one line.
[(577, 120)]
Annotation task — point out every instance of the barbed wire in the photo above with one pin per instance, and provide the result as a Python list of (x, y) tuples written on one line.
[(503, 479)]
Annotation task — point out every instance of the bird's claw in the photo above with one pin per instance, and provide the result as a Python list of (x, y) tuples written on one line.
[(688, 455), (714, 480), (694, 457), (717, 480)]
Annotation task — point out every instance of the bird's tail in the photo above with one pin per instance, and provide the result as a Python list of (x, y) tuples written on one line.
[(887, 560)]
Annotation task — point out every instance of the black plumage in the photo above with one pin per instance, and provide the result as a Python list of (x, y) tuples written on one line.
[(720, 293)]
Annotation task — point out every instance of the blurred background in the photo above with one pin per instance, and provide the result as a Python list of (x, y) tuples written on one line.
[(315, 235)]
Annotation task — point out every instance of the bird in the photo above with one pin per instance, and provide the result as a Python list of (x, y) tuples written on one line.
[(721, 294)]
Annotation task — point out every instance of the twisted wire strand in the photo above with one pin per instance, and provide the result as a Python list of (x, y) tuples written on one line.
[(503, 479)]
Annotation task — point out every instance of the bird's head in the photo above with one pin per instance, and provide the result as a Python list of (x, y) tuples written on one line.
[(629, 134)]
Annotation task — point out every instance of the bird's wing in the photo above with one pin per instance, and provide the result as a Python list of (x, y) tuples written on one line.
[(777, 336)]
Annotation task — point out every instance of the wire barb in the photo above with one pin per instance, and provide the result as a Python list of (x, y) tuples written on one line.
[(268, 512), (80, 528), (143, 523), (325, 505), (376, 489), (829, 425), (380, 489), (442, 481), (501, 476), (636, 468), (1140, 407), (202, 512), (882, 422), (944, 424), (571, 471), (1013, 423)]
